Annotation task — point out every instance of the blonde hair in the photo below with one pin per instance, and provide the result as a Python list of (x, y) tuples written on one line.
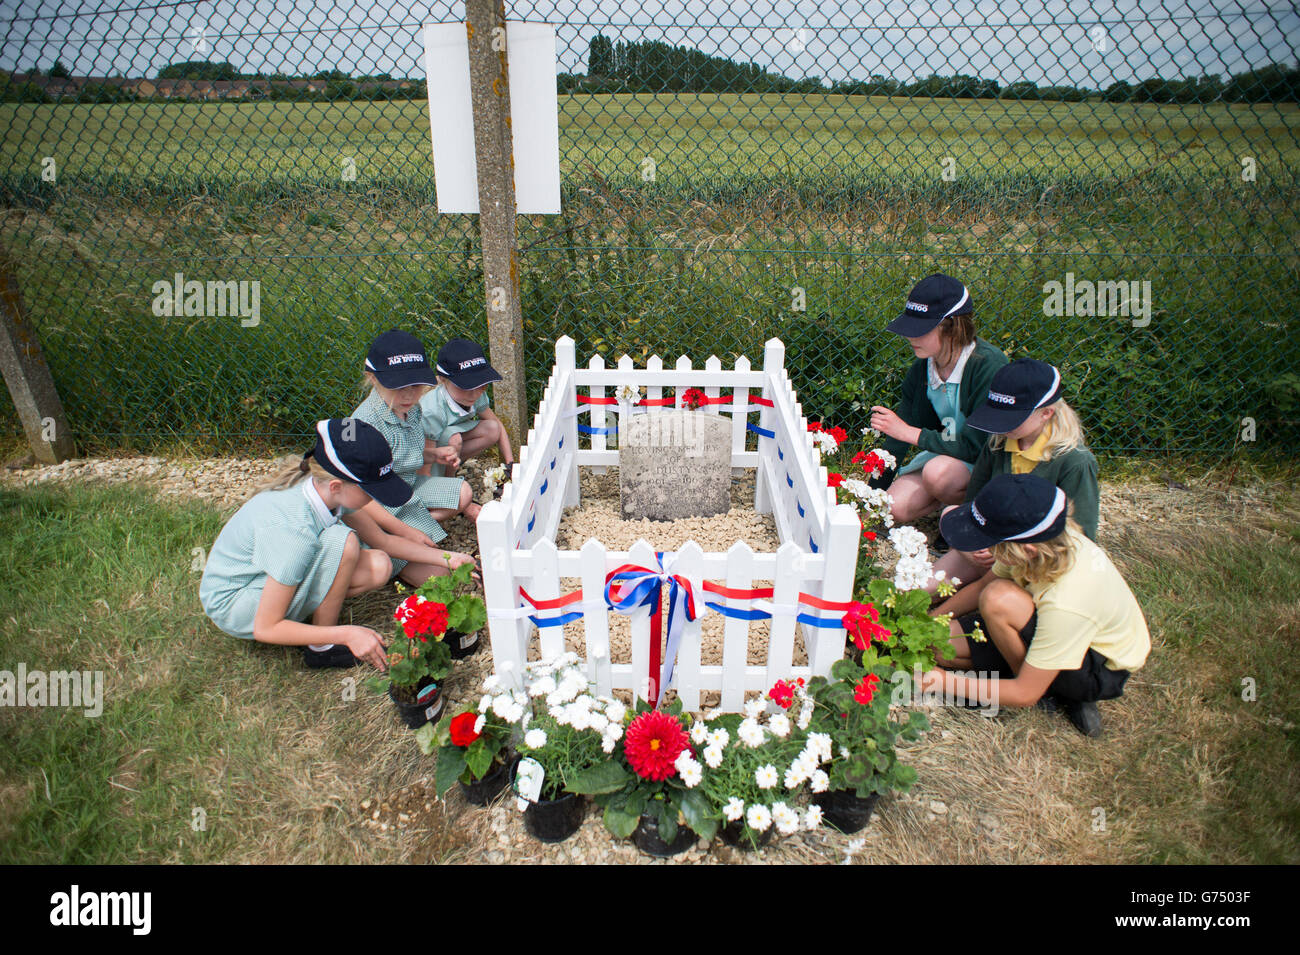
[(370, 383), (293, 471), (1050, 559), (1066, 435)]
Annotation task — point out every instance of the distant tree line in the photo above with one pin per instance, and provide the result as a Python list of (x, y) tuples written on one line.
[(648, 66)]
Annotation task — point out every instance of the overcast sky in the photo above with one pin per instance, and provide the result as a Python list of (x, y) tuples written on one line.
[(1047, 41)]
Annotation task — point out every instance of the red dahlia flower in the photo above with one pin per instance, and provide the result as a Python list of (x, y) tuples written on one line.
[(652, 744), (462, 729), (865, 690)]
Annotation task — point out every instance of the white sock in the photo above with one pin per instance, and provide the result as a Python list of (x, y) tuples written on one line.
[(319, 647)]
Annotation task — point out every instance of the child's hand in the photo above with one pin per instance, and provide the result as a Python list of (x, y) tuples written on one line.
[(456, 559), (417, 536), (888, 423), (448, 456), (366, 645)]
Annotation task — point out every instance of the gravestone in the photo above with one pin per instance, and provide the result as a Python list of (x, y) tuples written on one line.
[(674, 464)]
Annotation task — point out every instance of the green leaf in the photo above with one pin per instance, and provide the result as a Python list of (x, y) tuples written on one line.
[(451, 763), (620, 822), (602, 778), (427, 738), (377, 684), (667, 821), (478, 758), (636, 802), (696, 810)]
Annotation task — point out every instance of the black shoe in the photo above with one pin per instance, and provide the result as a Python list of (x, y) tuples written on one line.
[(336, 656), (1085, 717)]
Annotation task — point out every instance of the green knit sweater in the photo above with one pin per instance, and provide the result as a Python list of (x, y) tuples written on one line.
[(1073, 471), (915, 408)]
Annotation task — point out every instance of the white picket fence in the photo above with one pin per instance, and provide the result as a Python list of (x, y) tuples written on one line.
[(817, 556)]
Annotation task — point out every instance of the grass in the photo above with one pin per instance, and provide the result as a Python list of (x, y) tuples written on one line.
[(100, 578), (753, 195)]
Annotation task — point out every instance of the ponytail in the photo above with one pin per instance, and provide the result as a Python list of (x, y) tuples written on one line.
[(293, 471)]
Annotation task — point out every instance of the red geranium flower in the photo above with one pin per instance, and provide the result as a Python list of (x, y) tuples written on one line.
[(421, 617), (652, 744), (814, 425), (462, 729), (692, 398), (861, 621), (839, 434), (869, 535), (782, 694), (834, 480), (865, 690)]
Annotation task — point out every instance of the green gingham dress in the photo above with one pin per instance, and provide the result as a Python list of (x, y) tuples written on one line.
[(277, 534), (441, 417), (406, 438)]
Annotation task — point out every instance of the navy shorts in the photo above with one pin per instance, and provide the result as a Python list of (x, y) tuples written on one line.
[(1091, 682)]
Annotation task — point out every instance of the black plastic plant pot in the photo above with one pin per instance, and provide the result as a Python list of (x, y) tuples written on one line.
[(426, 708), (483, 791), (733, 834), (647, 839), (554, 820), (462, 645), (845, 810)]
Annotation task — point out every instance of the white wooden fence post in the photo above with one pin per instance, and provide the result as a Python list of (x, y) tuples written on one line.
[(689, 563), (508, 634), (597, 416), (773, 364), (843, 533), (567, 365), (739, 416)]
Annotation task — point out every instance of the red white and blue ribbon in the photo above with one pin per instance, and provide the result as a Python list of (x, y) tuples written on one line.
[(629, 588)]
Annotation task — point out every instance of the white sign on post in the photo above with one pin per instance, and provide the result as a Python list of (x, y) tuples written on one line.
[(534, 116)]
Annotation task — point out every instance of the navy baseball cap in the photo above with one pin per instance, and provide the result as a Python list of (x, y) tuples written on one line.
[(933, 299), (398, 360), (355, 451), (463, 364), (1011, 507), (1018, 389)]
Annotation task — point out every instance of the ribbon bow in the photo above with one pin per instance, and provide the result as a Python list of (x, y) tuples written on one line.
[(641, 587)]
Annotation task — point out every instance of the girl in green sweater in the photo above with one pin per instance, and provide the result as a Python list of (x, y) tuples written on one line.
[(948, 380)]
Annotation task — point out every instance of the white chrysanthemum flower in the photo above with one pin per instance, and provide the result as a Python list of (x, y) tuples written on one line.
[(754, 707), (492, 683), (794, 776), (535, 738), (480, 723), (812, 817), (820, 743), (765, 776), (502, 706), (805, 763), (485, 704), (750, 733), (597, 721), (615, 710), (713, 756), (758, 818), (734, 809), (514, 712), (607, 743), (543, 686), (691, 772), (699, 733), (819, 782), (579, 718), (779, 725), (805, 715), (719, 738), (786, 819)]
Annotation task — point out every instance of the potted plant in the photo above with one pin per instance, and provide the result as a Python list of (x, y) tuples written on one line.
[(758, 764), (651, 792), (565, 731), (850, 711), (473, 749), (418, 655)]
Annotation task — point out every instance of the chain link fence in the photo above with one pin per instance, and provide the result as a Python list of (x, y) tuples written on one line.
[(1117, 187)]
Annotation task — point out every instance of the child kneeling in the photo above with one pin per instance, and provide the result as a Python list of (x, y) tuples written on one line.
[(1059, 618)]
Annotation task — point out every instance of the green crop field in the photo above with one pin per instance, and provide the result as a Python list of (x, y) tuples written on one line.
[(752, 196)]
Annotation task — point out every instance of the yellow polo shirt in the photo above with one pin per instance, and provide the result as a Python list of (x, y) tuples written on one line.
[(1024, 461), (1089, 605)]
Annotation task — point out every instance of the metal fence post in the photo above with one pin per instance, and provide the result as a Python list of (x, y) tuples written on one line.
[(494, 156), (27, 375)]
